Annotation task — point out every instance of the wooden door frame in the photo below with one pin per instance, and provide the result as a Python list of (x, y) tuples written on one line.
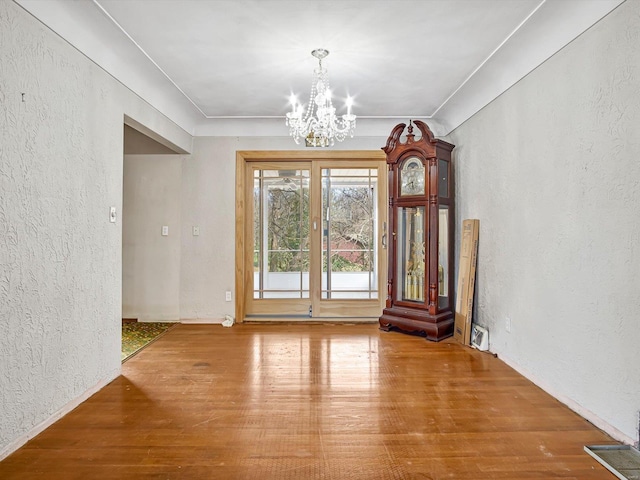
[(242, 274)]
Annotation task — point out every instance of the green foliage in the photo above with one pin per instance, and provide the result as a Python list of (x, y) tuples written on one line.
[(339, 263), (351, 236), (288, 229)]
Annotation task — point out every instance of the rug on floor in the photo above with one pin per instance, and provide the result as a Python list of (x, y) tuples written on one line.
[(137, 335)]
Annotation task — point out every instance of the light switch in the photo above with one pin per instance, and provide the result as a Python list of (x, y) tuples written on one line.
[(196, 231), (112, 214), (165, 230)]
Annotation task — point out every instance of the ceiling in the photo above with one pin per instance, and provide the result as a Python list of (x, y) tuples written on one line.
[(207, 62)]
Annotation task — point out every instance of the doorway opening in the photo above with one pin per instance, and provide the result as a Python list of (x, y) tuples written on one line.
[(150, 268)]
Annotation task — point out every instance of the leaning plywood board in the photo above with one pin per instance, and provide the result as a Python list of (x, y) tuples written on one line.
[(466, 280), (472, 282), (463, 287)]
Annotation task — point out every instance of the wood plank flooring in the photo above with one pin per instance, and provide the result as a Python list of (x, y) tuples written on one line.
[(312, 402)]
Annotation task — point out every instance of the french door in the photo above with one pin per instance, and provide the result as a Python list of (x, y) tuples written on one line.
[(312, 237)]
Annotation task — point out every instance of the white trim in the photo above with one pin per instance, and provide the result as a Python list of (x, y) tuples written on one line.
[(156, 319), (24, 438), (201, 321), (572, 404), (143, 51), (495, 50), (160, 318)]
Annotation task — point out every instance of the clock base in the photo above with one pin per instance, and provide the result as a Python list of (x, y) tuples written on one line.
[(433, 327)]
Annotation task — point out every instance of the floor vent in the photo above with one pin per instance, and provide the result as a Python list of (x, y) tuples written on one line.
[(621, 460)]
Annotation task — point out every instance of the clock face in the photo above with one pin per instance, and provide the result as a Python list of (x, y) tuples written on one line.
[(412, 177)]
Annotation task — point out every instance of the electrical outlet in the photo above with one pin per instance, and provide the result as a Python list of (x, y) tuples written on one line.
[(227, 296), (165, 230), (507, 325)]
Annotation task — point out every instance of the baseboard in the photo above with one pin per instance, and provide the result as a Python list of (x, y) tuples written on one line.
[(572, 404), (202, 321), (303, 319), (158, 320), (22, 439)]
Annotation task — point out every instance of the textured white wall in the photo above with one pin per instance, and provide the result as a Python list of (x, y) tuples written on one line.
[(552, 170), (151, 261), (60, 258), (208, 201)]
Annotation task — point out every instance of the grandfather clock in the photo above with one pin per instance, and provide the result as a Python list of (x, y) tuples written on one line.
[(421, 220)]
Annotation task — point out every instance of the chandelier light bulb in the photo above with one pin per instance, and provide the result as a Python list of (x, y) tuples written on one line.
[(319, 125)]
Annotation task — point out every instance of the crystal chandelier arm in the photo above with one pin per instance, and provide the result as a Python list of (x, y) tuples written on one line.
[(319, 121)]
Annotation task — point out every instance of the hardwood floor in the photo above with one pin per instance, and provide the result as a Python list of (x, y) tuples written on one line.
[(312, 402)]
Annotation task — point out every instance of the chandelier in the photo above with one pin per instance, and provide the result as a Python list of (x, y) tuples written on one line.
[(319, 125)]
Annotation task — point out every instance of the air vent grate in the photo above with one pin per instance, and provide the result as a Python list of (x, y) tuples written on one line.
[(479, 337)]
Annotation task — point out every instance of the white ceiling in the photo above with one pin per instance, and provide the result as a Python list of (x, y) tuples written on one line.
[(233, 62)]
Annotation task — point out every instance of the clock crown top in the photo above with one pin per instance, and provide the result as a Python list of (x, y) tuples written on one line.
[(425, 145), (410, 136)]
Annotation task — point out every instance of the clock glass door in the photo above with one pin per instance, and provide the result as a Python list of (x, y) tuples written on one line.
[(411, 259), (443, 256)]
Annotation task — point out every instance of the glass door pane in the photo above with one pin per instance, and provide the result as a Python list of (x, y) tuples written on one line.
[(349, 223), (281, 234), (313, 246)]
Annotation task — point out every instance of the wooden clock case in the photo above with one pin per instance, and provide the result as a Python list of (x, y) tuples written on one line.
[(420, 276)]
